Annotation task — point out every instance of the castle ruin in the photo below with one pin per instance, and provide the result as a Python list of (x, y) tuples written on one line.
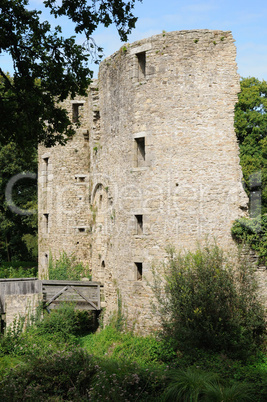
[(154, 163)]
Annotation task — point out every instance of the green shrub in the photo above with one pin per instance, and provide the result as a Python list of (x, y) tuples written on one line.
[(62, 376), (208, 303), (67, 268), (252, 231), (18, 269)]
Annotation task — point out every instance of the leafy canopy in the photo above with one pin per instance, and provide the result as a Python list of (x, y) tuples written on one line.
[(47, 67), (251, 130)]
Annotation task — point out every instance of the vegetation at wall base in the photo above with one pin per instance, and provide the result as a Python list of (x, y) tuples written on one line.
[(52, 361), (66, 267), (210, 302), (253, 233)]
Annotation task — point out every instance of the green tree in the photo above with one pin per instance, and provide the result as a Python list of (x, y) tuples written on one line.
[(47, 67), (251, 130), (15, 226)]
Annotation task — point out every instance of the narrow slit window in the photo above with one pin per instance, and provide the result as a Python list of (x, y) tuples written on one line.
[(46, 223), (141, 57), (139, 270), (46, 162), (139, 224), (75, 111), (46, 260), (140, 151), (86, 136)]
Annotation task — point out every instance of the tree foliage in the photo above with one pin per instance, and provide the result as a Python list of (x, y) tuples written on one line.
[(251, 130), (13, 227), (47, 67)]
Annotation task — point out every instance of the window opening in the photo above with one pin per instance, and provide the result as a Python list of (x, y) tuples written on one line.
[(46, 224), (86, 136), (81, 230), (75, 111), (141, 151), (139, 224), (46, 259), (103, 264), (139, 270), (46, 161), (80, 178), (141, 57)]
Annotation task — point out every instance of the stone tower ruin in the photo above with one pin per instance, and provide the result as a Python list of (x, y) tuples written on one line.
[(154, 163)]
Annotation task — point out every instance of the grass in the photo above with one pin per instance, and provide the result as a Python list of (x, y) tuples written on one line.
[(51, 361)]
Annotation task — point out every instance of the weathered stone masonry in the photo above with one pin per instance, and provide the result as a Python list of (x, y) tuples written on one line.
[(154, 162)]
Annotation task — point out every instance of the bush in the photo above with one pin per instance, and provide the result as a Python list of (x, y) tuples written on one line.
[(67, 268), (207, 303), (18, 269), (252, 231), (61, 376)]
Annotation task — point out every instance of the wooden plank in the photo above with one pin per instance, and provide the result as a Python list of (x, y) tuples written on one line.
[(65, 282), (98, 297), (56, 296), (85, 298)]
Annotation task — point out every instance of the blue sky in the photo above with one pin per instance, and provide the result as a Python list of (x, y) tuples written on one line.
[(246, 19)]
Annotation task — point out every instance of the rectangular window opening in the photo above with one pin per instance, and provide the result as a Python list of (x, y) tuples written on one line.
[(46, 223), (81, 230), (75, 111), (80, 178), (139, 224), (139, 270), (141, 57), (141, 151)]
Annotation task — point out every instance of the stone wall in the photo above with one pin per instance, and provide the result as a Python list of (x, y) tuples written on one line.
[(154, 163), (21, 306)]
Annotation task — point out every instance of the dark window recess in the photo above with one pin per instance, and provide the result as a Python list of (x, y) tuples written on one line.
[(141, 57), (46, 223), (80, 179), (81, 230), (96, 115), (141, 151), (86, 136), (46, 160), (139, 270), (103, 264), (139, 224), (75, 111)]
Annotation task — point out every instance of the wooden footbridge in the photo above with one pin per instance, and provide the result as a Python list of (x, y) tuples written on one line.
[(21, 296), (83, 295)]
